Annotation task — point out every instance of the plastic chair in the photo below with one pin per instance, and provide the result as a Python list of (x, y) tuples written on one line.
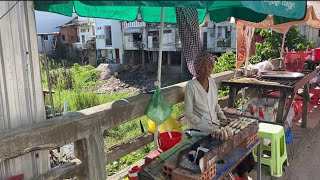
[(315, 93), (275, 134)]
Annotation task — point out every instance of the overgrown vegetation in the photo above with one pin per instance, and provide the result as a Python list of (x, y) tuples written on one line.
[(76, 85), (272, 42)]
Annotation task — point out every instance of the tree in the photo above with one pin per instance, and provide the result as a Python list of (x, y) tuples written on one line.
[(273, 41)]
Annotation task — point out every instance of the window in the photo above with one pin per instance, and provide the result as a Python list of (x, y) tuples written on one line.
[(220, 35), (93, 31), (319, 33), (107, 30), (137, 36), (63, 37), (166, 31), (83, 30), (83, 40), (46, 37), (88, 30)]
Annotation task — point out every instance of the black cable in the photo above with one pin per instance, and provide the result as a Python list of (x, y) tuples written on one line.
[(9, 10)]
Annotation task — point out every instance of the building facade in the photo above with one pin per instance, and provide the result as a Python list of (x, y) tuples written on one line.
[(48, 23), (218, 37), (109, 43)]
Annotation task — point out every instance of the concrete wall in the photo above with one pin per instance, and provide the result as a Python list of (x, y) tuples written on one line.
[(21, 97), (116, 36), (47, 23)]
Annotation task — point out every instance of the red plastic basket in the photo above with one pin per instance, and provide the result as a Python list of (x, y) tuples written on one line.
[(317, 54), (294, 61), (165, 142)]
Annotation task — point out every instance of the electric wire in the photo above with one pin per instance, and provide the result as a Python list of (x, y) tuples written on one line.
[(9, 10)]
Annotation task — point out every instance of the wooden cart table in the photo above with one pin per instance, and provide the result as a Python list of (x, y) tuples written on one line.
[(287, 88), (311, 65)]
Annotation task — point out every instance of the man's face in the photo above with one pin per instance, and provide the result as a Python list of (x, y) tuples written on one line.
[(206, 68)]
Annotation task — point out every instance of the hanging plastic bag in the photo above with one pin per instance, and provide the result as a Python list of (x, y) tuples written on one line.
[(159, 109), (171, 124)]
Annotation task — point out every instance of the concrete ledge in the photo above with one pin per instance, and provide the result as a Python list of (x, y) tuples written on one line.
[(74, 126)]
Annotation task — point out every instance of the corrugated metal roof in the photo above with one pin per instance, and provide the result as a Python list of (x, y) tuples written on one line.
[(21, 96)]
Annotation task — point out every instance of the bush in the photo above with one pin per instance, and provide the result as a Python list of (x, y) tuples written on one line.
[(272, 41), (226, 61)]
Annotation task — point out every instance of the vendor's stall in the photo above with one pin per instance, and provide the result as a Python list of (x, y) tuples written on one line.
[(288, 86)]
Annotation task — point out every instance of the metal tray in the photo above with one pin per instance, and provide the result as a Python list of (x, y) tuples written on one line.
[(281, 74)]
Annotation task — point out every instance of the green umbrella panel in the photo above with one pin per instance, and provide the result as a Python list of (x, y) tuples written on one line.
[(122, 10), (253, 11)]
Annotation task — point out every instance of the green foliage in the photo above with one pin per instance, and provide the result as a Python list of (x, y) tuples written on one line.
[(273, 41), (255, 59), (226, 61)]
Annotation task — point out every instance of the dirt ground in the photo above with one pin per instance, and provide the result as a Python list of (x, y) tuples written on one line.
[(140, 80)]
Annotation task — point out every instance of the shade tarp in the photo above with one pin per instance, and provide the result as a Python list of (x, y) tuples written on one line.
[(151, 10), (122, 10), (310, 19), (283, 11)]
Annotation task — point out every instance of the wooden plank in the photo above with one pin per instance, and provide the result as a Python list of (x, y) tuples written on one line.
[(305, 80), (123, 149), (67, 170), (266, 85), (305, 105), (74, 126), (281, 107), (232, 96), (124, 172)]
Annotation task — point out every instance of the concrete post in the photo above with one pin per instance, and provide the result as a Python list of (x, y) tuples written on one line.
[(143, 58), (169, 58)]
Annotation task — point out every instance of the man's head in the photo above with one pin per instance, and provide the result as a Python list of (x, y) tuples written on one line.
[(204, 64)]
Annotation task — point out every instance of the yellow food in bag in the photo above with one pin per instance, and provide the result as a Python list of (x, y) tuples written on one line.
[(171, 124)]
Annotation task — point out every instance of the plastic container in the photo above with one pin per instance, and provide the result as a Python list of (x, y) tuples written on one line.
[(133, 173), (317, 54), (165, 142), (294, 61)]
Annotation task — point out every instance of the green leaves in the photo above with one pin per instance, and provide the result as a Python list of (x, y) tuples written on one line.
[(273, 41), (226, 61)]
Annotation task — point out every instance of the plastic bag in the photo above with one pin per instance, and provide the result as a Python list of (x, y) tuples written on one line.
[(159, 109), (171, 124), (262, 66)]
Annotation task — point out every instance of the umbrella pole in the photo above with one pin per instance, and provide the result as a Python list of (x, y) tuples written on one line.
[(159, 71), (282, 48)]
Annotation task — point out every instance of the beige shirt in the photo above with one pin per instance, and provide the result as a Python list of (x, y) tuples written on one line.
[(202, 110)]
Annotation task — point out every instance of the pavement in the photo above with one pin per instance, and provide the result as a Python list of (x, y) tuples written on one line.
[(307, 165)]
